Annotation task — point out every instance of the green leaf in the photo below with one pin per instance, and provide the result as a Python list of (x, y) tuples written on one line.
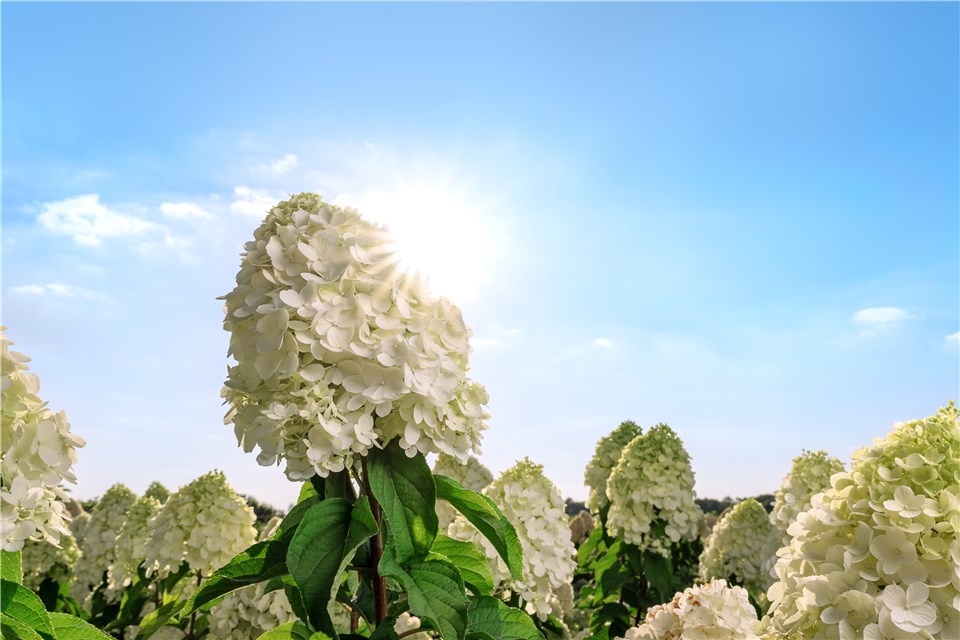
[(482, 513), (11, 568), (19, 603), (293, 519), (405, 489), (13, 629), (490, 619), (659, 573), (307, 491), (158, 618), (469, 559), (321, 549), (295, 630), (69, 627), (434, 591), (296, 601), (589, 545)]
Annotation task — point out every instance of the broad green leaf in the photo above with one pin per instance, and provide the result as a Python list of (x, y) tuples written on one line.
[(490, 619), (295, 600), (307, 491), (321, 549), (19, 603), (69, 627), (295, 630), (262, 561), (11, 568), (13, 629), (589, 545), (482, 513), (158, 618), (469, 559), (293, 519), (659, 573), (434, 591), (405, 489)]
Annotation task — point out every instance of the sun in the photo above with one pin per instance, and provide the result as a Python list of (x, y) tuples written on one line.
[(437, 233)]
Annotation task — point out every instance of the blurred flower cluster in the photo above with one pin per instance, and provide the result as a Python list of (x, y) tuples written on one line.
[(732, 551), (42, 559), (98, 543), (605, 458), (711, 611), (471, 474), (131, 542)]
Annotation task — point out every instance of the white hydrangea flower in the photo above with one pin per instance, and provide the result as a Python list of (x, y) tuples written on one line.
[(713, 611), (131, 542), (732, 551), (471, 474), (809, 474), (339, 351), (653, 483), (38, 455), (406, 622), (42, 559), (78, 527), (98, 544), (533, 505), (876, 555), (204, 524), (605, 458), (158, 492)]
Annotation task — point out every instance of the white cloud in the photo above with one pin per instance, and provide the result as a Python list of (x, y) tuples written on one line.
[(953, 339), (58, 289), (880, 315), (88, 222), (603, 343), (184, 211), (281, 166), (252, 202)]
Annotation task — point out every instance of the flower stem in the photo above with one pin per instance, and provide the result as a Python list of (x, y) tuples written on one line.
[(379, 582)]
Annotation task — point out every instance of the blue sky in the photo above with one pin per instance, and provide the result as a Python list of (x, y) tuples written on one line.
[(739, 219)]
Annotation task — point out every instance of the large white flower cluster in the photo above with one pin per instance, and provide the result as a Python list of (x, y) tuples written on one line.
[(533, 505), (653, 482), (876, 555), (710, 611), (605, 458), (98, 545), (42, 559), (338, 350), (38, 455), (131, 542), (204, 524), (809, 474), (732, 551), (471, 474)]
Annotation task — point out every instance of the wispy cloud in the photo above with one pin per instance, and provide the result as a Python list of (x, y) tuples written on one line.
[(603, 343), (878, 320), (282, 166), (58, 289), (251, 201), (88, 221), (953, 339), (185, 211)]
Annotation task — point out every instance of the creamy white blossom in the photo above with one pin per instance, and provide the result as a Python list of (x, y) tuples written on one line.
[(605, 458), (38, 456), (876, 555), (42, 559), (652, 502), (471, 475), (204, 524), (732, 551), (338, 350), (98, 544), (131, 542), (407, 622), (711, 611), (533, 505)]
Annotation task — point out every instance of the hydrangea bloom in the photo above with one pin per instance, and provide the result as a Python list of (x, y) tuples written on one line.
[(98, 545), (605, 458), (711, 611), (876, 555), (158, 492), (809, 474), (131, 542), (471, 474), (733, 549), (204, 524), (406, 622), (533, 505), (42, 559), (37, 457), (653, 481), (79, 526), (339, 351)]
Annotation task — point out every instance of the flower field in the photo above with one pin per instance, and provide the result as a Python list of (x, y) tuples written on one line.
[(347, 374)]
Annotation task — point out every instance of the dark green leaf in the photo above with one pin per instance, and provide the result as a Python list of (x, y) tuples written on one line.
[(295, 630), (482, 513), (406, 492), (659, 573), (293, 519), (19, 603), (490, 619), (434, 591), (469, 559), (589, 545), (11, 568), (158, 618), (13, 629), (67, 627), (295, 600)]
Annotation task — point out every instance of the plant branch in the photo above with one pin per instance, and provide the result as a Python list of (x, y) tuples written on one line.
[(379, 582)]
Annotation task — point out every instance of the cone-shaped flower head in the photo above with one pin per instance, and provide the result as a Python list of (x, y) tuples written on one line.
[(653, 482), (37, 457), (131, 542), (42, 559), (605, 458), (158, 492), (713, 611), (533, 505), (471, 474), (98, 546), (809, 474), (732, 551), (876, 555), (205, 523), (339, 351)]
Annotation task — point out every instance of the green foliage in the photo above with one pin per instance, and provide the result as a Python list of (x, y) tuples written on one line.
[(11, 568), (19, 603), (162, 615), (435, 592), (490, 619), (293, 631), (470, 559), (67, 627)]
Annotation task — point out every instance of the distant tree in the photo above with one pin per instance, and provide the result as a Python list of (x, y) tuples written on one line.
[(716, 507), (573, 507), (262, 510)]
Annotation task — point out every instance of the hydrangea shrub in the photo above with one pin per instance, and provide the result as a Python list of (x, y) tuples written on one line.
[(98, 543), (732, 551), (131, 541), (605, 458), (44, 560), (710, 611)]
